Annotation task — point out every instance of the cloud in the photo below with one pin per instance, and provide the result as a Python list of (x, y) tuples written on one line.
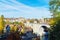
[(12, 8)]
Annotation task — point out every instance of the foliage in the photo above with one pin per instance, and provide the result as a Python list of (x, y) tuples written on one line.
[(55, 7), (22, 24), (37, 20), (32, 21), (51, 21), (15, 28), (55, 32), (16, 22), (1, 23)]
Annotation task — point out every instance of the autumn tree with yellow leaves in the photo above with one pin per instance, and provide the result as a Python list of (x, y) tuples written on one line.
[(23, 27), (1, 24)]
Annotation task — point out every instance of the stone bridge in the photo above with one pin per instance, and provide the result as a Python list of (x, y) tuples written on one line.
[(37, 27)]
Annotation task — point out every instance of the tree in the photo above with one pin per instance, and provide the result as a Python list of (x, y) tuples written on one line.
[(1, 23), (55, 7), (55, 32), (31, 20), (37, 20), (16, 22), (51, 22), (23, 27), (22, 24)]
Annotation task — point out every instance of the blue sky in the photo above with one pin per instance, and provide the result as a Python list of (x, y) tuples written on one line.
[(34, 3), (25, 8)]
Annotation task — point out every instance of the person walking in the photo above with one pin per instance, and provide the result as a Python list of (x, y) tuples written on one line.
[(46, 34), (7, 29)]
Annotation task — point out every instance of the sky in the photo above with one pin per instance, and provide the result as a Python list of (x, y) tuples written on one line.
[(25, 8)]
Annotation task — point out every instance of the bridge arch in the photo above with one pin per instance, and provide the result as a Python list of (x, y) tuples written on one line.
[(37, 28), (43, 24)]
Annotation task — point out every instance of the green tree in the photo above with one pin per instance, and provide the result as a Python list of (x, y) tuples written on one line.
[(16, 22), (55, 10), (55, 7)]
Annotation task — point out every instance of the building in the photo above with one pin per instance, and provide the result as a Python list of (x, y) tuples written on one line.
[(21, 19)]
